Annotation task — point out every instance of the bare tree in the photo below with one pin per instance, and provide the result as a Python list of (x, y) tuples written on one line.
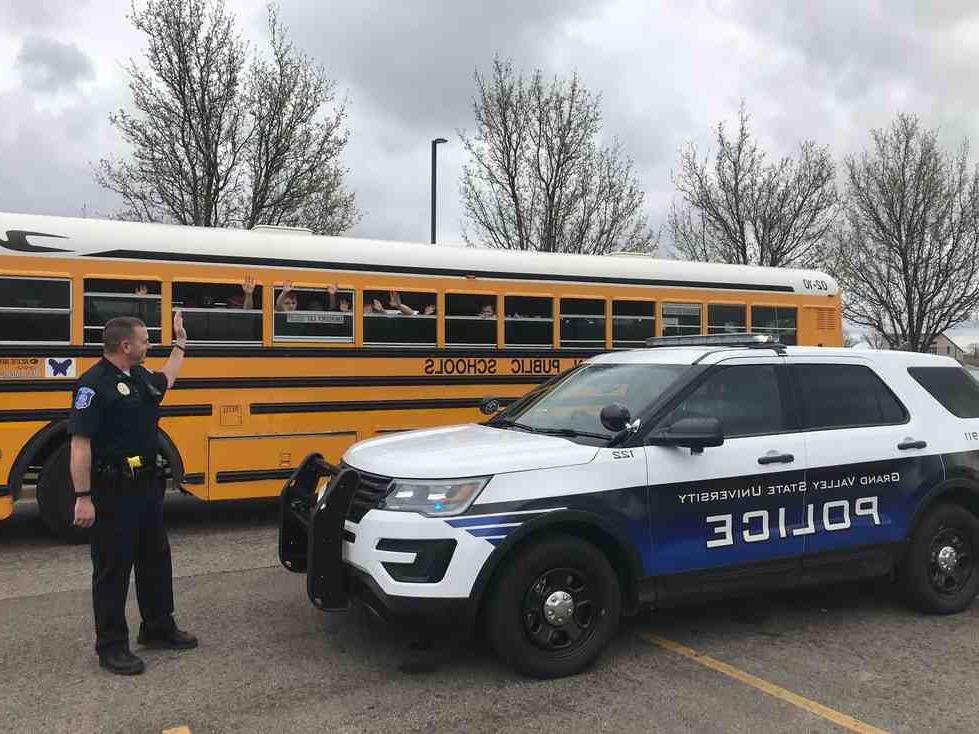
[(909, 241), (293, 153), (744, 210), (536, 177), (217, 141), (187, 136), (876, 340)]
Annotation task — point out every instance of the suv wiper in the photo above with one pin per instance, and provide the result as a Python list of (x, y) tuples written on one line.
[(572, 433), (509, 423), (563, 432)]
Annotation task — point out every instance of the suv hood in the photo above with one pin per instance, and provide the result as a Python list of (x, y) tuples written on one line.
[(464, 451)]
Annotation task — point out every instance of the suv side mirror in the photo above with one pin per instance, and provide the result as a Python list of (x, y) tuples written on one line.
[(489, 405), (615, 417), (693, 433)]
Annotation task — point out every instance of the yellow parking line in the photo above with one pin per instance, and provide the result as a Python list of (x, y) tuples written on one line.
[(840, 719), (177, 730)]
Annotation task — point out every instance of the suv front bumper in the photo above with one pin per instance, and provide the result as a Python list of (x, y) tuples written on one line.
[(312, 535)]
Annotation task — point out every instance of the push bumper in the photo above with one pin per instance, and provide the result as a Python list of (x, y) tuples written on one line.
[(311, 537), (311, 529)]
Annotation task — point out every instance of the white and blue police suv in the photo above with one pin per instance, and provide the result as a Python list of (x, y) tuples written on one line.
[(649, 477)]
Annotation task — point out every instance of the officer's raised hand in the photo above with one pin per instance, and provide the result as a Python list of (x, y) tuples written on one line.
[(179, 333), (172, 366)]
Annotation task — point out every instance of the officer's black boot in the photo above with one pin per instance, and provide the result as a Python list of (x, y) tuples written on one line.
[(121, 661), (173, 639)]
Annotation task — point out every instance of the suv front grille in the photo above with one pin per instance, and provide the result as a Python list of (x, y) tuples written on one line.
[(368, 495)]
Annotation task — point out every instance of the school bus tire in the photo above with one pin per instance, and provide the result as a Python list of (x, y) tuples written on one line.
[(56, 498), (517, 607)]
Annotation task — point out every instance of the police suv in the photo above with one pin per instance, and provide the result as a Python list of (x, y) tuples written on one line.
[(650, 477)]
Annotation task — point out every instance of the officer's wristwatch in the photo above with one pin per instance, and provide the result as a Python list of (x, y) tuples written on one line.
[(83, 494)]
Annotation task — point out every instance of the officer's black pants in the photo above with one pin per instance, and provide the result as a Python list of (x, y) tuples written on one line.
[(129, 532)]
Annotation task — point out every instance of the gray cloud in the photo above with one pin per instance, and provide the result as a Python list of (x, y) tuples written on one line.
[(667, 72), (416, 61), (46, 157), (46, 65), (409, 72), (860, 63), (20, 14)]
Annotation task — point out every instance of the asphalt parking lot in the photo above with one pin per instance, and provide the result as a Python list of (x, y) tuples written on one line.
[(844, 658)]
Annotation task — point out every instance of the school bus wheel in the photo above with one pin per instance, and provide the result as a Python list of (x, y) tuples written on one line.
[(56, 497)]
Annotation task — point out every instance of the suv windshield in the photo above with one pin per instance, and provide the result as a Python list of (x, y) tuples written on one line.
[(572, 404)]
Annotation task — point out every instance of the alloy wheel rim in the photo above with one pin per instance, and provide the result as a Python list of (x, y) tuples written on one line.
[(561, 610)]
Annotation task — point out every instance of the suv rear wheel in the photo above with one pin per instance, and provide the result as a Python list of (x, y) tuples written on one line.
[(941, 573), (554, 607)]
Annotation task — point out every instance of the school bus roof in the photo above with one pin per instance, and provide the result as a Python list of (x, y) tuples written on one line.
[(27, 234)]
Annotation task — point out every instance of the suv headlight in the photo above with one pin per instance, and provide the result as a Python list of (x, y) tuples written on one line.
[(434, 497)]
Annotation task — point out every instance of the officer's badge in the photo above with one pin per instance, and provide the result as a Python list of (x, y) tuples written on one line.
[(123, 388), (83, 398)]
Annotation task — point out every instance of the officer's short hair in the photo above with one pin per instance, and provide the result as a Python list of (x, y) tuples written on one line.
[(117, 331)]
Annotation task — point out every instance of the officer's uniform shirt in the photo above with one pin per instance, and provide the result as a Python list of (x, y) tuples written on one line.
[(118, 412)]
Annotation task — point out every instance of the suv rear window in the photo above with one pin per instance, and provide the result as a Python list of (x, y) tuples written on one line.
[(845, 396), (953, 387)]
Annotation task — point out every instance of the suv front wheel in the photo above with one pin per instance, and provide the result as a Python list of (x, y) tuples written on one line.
[(554, 607), (941, 573)]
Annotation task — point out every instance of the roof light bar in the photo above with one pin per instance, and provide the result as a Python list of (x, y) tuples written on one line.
[(756, 341)]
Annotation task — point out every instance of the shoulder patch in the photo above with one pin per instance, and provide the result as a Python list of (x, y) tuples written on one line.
[(83, 398)]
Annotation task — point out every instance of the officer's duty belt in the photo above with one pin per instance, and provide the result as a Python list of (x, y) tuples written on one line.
[(122, 471)]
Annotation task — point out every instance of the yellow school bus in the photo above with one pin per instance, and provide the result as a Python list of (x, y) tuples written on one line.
[(371, 336)]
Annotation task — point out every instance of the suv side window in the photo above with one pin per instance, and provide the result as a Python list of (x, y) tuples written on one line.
[(746, 399), (845, 396), (953, 387)]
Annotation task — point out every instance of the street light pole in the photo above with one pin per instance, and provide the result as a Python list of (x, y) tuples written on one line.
[(434, 156)]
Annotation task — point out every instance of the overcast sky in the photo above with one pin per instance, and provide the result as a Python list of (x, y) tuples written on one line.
[(668, 72)]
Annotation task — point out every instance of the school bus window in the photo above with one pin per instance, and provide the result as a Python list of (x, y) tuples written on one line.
[(528, 322), (726, 318), (470, 320), (681, 319), (35, 310), (398, 318), (583, 323), (220, 312), (313, 314), (780, 321), (633, 322), (107, 299)]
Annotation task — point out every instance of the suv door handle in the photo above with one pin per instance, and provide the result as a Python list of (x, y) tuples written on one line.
[(776, 459), (905, 445)]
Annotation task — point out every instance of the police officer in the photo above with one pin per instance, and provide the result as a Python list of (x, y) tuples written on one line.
[(119, 491)]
